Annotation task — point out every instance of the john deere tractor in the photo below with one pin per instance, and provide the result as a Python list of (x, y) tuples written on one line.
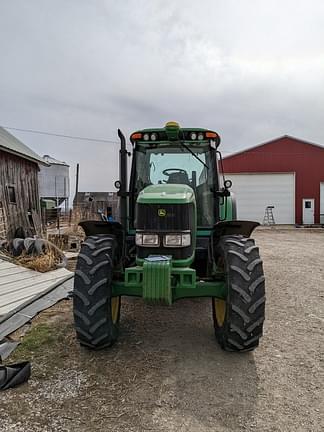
[(176, 237)]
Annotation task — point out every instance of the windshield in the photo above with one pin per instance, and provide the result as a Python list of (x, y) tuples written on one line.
[(166, 165)]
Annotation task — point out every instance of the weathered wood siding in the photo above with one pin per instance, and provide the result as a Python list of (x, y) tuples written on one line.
[(3, 227), (23, 175)]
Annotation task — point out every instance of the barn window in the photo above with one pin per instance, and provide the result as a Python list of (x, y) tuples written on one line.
[(11, 194)]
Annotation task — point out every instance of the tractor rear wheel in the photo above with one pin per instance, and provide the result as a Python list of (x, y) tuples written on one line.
[(238, 320), (96, 312)]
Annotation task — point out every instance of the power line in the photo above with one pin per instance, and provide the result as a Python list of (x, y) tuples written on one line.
[(233, 152), (59, 135), (35, 131)]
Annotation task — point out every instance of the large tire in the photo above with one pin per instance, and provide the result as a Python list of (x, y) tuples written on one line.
[(239, 320), (96, 312)]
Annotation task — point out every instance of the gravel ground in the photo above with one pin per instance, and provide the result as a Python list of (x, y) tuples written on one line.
[(167, 373)]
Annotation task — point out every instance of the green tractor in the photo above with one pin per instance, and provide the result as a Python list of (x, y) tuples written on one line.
[(177, 237)]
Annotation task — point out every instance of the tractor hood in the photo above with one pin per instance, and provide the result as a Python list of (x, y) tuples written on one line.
[(166, 194)]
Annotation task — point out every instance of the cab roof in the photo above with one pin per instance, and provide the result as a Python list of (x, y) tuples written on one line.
[(173, 132)]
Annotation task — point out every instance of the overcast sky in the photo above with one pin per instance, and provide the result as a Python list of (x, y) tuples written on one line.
[(250, 69)]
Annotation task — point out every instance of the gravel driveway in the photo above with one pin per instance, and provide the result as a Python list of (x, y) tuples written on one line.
[(167, 373)]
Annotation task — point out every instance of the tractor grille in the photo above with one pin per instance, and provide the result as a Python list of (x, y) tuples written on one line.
[(167, 218)]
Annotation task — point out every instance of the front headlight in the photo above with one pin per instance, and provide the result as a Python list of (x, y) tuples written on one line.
[(177, 240), (139, 239), (147, 240)]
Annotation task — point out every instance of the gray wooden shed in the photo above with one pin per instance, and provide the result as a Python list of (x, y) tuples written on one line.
[(19, 195)]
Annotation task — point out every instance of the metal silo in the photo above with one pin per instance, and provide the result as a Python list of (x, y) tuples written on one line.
[(54, 183)]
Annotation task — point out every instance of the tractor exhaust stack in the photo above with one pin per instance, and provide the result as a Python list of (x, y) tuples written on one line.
[(123, 179)]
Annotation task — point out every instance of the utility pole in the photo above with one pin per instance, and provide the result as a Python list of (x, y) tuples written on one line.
[(76, 185)]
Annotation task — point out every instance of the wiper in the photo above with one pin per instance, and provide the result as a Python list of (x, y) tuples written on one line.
[(193, 154)]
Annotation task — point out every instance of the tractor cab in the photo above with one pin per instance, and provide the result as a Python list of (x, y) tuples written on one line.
[(178, 156)]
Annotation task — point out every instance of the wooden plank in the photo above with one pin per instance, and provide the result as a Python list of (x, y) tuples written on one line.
[(18, 283), (25, 314), (3, 225), (19, 297), (10, 271), (14, 282), (5, 264), (37, 223)]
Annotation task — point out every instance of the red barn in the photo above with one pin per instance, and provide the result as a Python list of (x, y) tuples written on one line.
[(286, 173)]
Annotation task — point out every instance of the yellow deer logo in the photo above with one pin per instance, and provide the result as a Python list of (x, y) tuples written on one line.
[(162, 212)]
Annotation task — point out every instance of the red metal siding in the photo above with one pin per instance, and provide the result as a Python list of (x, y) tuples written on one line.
[(286, 154)]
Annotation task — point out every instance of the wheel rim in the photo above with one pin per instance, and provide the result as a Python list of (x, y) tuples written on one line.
[(220, 304), (115, 305), (220, 311)]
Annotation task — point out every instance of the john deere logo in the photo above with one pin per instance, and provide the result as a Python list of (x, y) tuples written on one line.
[(162, 212)]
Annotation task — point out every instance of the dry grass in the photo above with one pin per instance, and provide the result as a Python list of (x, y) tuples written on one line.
[(41, 263)]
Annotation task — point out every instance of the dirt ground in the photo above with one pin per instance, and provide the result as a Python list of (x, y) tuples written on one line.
[(167, 373)]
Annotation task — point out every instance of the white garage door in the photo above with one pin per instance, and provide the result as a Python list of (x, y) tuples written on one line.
[(254, 192)]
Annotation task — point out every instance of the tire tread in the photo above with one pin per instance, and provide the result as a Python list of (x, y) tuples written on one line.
[(92, 293), (245, 303)]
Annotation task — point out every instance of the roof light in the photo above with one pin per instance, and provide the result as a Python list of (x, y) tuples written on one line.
[(172, 124), (136, 136), (172, 130)]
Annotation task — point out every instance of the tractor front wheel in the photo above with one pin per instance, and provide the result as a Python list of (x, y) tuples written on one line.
[(238, 319), (96, 312)]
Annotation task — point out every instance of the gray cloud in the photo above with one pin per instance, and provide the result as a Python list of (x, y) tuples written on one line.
[(251, 70)]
